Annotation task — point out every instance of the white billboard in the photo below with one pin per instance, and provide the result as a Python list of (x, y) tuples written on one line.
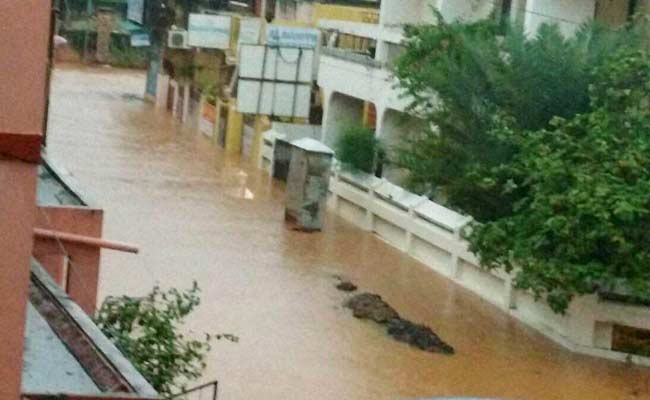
[(286, 36), (275, 80), (273, 98), (276, 64), (209, 31)]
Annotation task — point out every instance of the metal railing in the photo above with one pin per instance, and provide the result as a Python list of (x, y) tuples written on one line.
[(353, 56), (207, 391)]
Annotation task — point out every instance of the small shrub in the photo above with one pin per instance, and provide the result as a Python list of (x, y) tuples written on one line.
[(211, 93), (126, 56), (147, 331), (357, 147), (77, 40)]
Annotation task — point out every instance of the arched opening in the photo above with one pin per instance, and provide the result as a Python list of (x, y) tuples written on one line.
[(396, 128), (342, 111)]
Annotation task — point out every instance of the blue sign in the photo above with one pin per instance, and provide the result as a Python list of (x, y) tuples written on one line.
[(285, 36)]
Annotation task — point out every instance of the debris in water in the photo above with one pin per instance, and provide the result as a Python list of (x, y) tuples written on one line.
[(132, 97), (373, 307), (346, 286), (418, 335)]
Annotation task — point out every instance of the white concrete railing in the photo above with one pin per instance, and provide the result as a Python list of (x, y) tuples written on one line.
[(431, 233)]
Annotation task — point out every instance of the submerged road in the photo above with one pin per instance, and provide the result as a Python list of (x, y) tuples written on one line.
[(199, 215)]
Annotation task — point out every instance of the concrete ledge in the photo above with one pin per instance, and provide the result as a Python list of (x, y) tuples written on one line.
[(103, 345), (69, 182), (435, 241)]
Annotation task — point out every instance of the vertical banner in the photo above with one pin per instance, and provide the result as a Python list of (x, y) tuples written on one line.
[(135, 11)]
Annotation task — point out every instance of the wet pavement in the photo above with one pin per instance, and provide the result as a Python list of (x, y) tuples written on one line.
[(200, 215)]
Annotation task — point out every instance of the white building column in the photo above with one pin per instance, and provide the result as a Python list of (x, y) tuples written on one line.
[(327, 96), (340, 111)]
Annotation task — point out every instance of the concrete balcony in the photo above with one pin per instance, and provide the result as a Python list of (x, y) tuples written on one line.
[(360, 29), (392, 34), (360, 77)]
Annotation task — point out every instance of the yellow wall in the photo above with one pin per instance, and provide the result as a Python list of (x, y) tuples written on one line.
[(346, 13), (336, 12), (234, 129)]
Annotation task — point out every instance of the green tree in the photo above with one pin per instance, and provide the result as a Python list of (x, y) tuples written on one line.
[(461, 75), (358, 148), (147, 331), (582, 224)]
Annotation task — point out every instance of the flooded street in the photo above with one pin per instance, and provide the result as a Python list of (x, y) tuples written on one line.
[(199, 215)]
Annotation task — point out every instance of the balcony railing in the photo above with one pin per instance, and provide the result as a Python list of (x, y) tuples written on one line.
[(353, 56)]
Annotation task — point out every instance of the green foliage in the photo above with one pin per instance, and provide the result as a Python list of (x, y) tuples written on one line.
[(77, 39), (211, 93), (147, 331), (357, 147), (460, 76), (582, 223), (128, 57)]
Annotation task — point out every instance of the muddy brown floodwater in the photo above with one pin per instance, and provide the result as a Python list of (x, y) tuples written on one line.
[(199, 215)]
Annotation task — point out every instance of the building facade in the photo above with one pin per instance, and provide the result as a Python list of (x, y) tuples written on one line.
[(357, 83), (50, 241)]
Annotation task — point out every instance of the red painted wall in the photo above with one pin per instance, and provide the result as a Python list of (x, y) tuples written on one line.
[(24, 30), (24, 46), (16, 224)]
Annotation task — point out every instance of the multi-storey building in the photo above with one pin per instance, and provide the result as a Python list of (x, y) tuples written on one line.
[(357, 83)]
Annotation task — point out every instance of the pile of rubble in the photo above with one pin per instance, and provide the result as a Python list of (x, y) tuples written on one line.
[(372, 307)]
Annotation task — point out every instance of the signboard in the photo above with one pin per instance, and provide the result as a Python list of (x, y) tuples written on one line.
[(273, 98), (276, 64), (140, 40), (209, 31), (135, 11), (285, 36), (208, 119), (249, 30), (275, 80)]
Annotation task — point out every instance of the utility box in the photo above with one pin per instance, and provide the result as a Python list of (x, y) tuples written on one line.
[(308, 183)]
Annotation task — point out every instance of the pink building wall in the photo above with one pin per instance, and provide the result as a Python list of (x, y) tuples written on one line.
[(24, 47), (17, 216), (80, 277), (23, 62)]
